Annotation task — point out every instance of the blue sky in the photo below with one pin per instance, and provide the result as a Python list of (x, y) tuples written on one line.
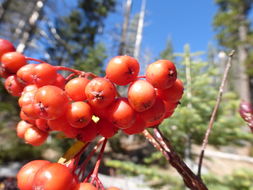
[(184, 21)]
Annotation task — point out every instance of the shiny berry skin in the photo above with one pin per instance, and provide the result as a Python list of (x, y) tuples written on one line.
[(54, 176), (122, 70), (60, 81), (79, 114), (5, 47), (42, 125), (85, 186), (161, 74), (13, 61), (26, 73), (35, 136), (13, 86), (174, 93), (27, 173), (44, 74), (100, 92), (137, 127), (155, 113), (141, 95), (22, 126), (50, 102), (121, 114), (75, 88)]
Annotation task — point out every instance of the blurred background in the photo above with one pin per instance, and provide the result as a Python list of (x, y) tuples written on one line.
[(197, 35)]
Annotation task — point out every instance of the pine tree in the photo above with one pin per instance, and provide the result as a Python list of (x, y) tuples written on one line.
[(233, 32), (78, 36)]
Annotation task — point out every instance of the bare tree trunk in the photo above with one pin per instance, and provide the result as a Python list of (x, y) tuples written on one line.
[(122, 44), (32, 23), (139, 30), (242, 83)]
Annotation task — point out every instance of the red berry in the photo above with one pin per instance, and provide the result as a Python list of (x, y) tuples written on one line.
[(5, 47), (155, 113), (122, 70), (26, 73), (13, 86), (79, 114), (141, 95), (35, 136), (174, 93), (22, 126), (26, 174), (161, 74), (137, 127), (13, 61), (54, 176), (100, 92), (44, 74), (75, 88), (50, 102), (121, 114)]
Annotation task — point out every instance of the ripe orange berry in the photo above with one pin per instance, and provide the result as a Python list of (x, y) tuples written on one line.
[(122, 70), (13, 61), (100, 92), (75, 88), (5, 47), (35, 136), (22, 126), (79, 114), (44, 74), (155, 113), (25, 74), (137, 127), (174, 93), (50, 102), (27, 173), (54, 176), (141, 95), (161, 74), (13, 86), (60, 81), (121, 114)]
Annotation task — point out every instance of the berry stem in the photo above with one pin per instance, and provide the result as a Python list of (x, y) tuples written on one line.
[(141, 77), (94, 174), (84, 164), (33, 59), (70, 70)]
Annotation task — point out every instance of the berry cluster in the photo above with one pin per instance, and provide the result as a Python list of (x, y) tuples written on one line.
[(83, 106), (50, 102), (42, 174)]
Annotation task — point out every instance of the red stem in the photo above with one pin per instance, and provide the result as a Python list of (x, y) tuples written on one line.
[(94, 174), (32, 59), (140, 77), (84, 164), (70, 70)]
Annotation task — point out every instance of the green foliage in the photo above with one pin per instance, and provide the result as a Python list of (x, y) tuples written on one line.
[(78, 31), (190, 120)]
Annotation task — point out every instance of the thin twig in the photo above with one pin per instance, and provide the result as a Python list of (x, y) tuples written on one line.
[(218, 101)]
